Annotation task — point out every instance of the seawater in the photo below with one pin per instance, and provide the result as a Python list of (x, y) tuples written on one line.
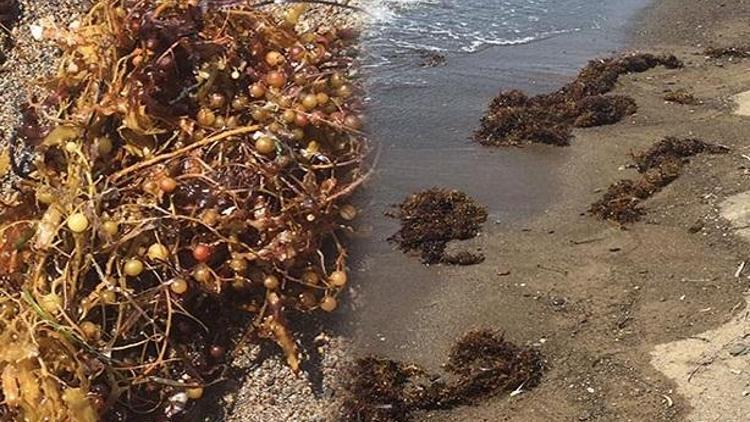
[(401, 29)]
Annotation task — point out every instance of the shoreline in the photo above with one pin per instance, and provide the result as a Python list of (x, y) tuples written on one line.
[(600, 303), (597, 310), (692, 23)]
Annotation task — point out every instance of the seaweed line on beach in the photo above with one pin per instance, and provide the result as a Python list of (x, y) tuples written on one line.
[(514, 118), (732, 52), (659, 166), (681, 96), (480, 365)]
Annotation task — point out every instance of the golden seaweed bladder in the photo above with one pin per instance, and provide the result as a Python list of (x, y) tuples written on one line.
[(185, 181)]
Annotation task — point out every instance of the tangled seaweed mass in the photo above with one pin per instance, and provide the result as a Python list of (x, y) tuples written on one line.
[(659, 166), (740, 52), (481, 364), (514, 118), (432, 218), (187, 174)]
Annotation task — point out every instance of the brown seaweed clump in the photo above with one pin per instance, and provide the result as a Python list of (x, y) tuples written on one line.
[(674, 149), (481, 364), (659, 166), (9, 12), (740, 52), (186, 180), (514, 118), (432, 218), (681, 96)]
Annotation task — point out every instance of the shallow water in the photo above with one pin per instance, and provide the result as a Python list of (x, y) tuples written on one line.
[(423, 118)]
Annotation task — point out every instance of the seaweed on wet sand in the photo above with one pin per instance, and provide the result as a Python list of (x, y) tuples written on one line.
[(620, 203), (671, 148), (514, 118), (733, 52), (659, 166), (681, 96), (381, 390), (189, 178), (463, 258), (486, 363), (432, 218), (481, 364), (598, 110)]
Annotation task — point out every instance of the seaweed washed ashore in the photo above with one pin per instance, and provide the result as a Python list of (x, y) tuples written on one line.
[(432, 218), (481, 364), (659, 166), (514, 118), (185, 179)]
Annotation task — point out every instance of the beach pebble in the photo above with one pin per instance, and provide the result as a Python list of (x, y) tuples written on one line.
[(37, 32)]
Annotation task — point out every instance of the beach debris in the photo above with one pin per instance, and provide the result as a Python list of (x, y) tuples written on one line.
[(696, 227), (514, 118), (188, 178), (740, 269), (432, 58), (481, 364), (738, 349), (463, 258), (659, 166), (674, 149), (432, 218), (681, 96), (738, 52)]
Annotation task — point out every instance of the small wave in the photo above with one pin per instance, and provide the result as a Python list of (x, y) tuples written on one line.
[(401, 32), (383, 11), (467, 26), (481, 42)]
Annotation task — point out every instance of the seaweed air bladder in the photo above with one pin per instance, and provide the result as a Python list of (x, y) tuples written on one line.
[(185, 180)]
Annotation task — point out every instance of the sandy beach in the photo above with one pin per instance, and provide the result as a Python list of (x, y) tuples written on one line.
[(643, 323)]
